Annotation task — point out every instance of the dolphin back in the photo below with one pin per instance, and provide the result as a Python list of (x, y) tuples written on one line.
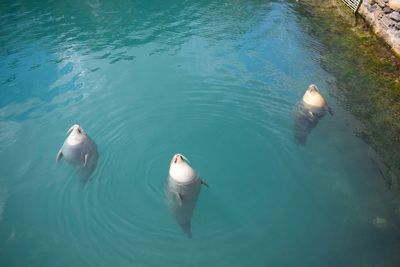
[(76, 155), (305, 119), (181, 200)]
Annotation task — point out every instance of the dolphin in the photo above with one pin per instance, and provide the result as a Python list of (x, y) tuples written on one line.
[(307, 113), (79, 150), (183, 188)]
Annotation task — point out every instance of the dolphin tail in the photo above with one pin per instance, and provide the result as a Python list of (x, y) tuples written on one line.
[(187, 229), (300, 139)]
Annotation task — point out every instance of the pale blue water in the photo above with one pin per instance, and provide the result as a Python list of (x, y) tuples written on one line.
[(214, 80)]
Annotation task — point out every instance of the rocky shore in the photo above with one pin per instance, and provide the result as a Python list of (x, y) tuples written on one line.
[(384, 17)]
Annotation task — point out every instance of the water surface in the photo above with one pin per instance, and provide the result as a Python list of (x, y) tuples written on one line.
[(214, 80)]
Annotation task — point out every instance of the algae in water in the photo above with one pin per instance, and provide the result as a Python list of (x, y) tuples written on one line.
[(367, 76)]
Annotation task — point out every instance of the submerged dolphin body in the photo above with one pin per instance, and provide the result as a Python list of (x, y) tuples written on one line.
[(183, 188), (79, 150), (307, 113)]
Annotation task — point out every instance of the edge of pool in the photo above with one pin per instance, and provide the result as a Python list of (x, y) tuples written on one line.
[(384, 18)]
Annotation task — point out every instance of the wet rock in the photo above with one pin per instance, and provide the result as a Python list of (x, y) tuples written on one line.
[(395, 16), (379, 222), (387, 10)]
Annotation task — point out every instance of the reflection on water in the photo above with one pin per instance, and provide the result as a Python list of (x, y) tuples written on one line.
[(214, 80)]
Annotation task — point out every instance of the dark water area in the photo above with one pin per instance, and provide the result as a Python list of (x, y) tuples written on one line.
[(218, 82)]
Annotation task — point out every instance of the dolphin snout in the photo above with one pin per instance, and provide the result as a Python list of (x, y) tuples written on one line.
[(178, 158), (75, 128), (313, 88)]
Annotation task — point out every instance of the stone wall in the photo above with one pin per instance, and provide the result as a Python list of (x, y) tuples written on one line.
[(384, 17)]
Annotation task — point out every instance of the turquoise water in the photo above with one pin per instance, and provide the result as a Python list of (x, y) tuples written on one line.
[(214, 80)]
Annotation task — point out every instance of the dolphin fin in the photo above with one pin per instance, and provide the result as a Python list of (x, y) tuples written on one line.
[(204, 183), (59, 156), (187, 229), (86, 160)]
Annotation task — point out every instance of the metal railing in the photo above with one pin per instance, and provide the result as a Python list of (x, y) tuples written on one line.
[(353, 4)]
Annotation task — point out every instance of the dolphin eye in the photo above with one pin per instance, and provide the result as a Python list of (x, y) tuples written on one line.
[(79, 130)]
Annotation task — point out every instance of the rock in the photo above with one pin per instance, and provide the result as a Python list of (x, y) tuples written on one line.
[(395, 16), (397, 26), (386, 22), (379, 222), (371, 8), (394, 4), (381, 3), (377, 14), (387, 10)]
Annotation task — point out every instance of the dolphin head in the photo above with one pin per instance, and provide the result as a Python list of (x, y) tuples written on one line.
[(180, 169), (76, 134), (312, 97), (312, 89)]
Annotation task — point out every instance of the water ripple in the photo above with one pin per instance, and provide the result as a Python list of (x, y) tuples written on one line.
[(216, 81)]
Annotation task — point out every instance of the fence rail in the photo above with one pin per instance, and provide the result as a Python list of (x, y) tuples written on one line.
[(353, 4)]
